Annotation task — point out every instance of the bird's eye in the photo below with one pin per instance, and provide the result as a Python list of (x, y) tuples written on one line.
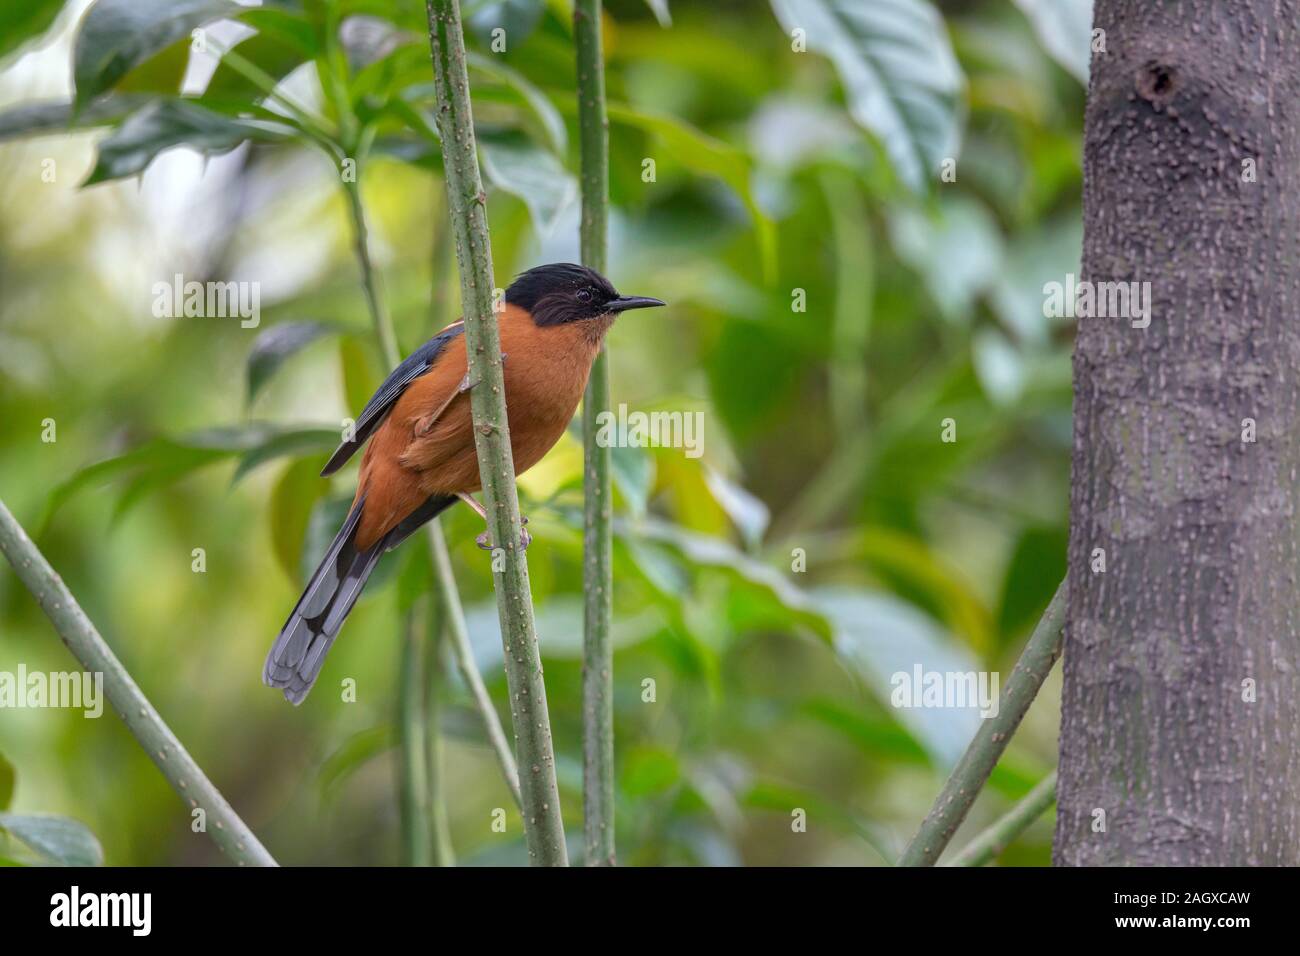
[(584, 295)]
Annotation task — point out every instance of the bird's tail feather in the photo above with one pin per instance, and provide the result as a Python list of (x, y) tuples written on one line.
[(296, 657)]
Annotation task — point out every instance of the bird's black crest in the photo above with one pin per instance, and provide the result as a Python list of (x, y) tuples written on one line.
[(558, 282)]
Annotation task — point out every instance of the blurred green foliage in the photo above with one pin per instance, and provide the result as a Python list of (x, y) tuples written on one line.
[(834, 298)]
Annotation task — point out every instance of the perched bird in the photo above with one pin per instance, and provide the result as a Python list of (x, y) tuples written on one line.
[(421, 455)]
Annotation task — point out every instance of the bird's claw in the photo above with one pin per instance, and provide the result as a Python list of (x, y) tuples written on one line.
[(466, 384), (525, 539)]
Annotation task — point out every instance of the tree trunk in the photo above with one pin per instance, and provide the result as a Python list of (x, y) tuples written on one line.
[(1180, 725)]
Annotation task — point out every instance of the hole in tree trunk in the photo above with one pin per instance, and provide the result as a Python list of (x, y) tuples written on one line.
[(1156, 83)]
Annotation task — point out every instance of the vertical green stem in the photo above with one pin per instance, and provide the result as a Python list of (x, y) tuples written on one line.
[(454, 619), (972, 771), (413, 792), (543, 824), (79, 635), (379, 316), (435, 684), (597, 538), (465, 665), (990, 844)]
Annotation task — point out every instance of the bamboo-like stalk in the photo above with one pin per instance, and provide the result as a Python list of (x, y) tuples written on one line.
[(972, 771), (379, 317), (543, 824), (223, 825), (597, 535), (435, 684), (443, 576), (413, 792), (465, 665), (990, 844)]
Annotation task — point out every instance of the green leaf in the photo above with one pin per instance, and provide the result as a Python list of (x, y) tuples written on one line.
[(647, 771), (747, 573), (900, 77), (414, 579), (632, 468), (956, 248), (163, 124), (56, 840), (710, 157), (879, 636), (747, 511), (289, 20), (352, 754), (534, 175), (296, 442), (327, 516), (156, 455), (295, 495), (118, 35), (873, 732), (36, 119), (275, 345), (361, 372), (1036, 568), (7, 778), (633, 472), (161, 73), (270, 52), (1036, 256), (163, 460), (24, 20), (924, 578), (1064, 27), (548, 116)]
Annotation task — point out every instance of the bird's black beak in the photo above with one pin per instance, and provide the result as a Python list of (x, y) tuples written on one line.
[(625, 302)]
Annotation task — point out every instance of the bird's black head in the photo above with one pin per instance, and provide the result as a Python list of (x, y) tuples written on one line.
[(563, 292)]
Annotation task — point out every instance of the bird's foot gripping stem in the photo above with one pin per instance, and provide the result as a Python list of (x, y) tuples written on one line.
[(484, 540), (466, 384)]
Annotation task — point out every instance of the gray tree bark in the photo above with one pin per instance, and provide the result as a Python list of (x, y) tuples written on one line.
[(1181, 704)]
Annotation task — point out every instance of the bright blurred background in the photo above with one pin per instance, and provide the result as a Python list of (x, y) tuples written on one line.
[(825, 539)]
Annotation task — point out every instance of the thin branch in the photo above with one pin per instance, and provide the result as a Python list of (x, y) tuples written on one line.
[(972, 771), (413, 775), (465, 665), (383, 322), (989, 845), (597, 536), (435, 686), (223, 825), (543, 824)]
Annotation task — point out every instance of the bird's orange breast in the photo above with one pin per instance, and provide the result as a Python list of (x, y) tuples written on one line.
[(426, 445)]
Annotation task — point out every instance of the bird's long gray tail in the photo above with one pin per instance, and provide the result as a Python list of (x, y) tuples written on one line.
[(296, 657)]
